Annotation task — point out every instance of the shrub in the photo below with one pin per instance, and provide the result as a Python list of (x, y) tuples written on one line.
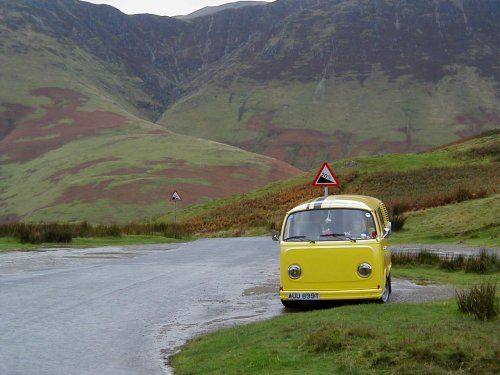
[(398, 222), (453, 264), (403, 259), (64, 233), (58, 235), (44, 233), (479, 301), (427, 257), (482, 264), (271, 225), (415, 258)]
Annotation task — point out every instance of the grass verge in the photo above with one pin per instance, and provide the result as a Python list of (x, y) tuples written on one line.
[(356, 339), (360, 339), (429, 274)]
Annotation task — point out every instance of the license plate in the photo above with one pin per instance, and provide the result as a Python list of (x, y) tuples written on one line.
[(305, 296)]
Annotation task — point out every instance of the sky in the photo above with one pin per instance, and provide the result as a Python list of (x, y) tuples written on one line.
[(162, 7)]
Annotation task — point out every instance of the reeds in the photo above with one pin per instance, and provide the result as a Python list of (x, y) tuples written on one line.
[(64, 233), (479, 301), (483, 263)]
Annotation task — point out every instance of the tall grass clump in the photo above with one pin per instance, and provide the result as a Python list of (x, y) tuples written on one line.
[(398, 221), (64, 233), (415, 258), (453, 264), (484, 263), (479, 301), (42, 233)]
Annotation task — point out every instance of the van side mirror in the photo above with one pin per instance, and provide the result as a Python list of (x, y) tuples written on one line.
[(275, 235), (387, 231)]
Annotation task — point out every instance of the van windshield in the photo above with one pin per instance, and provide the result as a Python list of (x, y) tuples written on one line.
[(330, 225)]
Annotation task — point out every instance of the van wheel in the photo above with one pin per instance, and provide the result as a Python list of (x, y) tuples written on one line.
[(291, 304), (387, 291)]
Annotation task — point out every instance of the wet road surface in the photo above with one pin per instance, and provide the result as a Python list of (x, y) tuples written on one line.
[(123, 310)]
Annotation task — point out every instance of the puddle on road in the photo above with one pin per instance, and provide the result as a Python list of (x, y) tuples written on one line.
[(261, 290), (256, 303), (406, 291)]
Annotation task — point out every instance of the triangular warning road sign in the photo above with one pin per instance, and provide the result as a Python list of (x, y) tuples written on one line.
[(326, 177), (175, 197)]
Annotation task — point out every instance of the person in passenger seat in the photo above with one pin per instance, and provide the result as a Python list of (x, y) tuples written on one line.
[(358, 230)]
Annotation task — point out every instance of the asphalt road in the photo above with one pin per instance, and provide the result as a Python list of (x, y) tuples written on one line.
[(123, 310)]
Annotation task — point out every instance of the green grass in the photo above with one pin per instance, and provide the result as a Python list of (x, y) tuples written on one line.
[(11, 244), (474, 222), (429, 274), (352, 339), (359, 338)]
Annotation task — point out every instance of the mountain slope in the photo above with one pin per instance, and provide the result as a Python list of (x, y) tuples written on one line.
[(341, 78), (298, 80), (74, 145), (462, 178), (210, 10)]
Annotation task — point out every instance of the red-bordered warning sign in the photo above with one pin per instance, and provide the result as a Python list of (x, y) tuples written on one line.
[(326, 177), (175, 197)]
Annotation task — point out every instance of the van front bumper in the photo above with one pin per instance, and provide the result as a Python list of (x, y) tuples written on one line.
[(327, 295)]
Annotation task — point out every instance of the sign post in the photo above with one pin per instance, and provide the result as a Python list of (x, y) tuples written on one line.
[(326, 178), (175, 197)]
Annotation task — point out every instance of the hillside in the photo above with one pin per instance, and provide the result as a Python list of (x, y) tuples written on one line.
[(75, 146), (103, 115), (335, 79), (451, 191), (210, 10)]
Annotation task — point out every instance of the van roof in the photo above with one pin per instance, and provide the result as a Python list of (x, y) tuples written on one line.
[(363, 202)]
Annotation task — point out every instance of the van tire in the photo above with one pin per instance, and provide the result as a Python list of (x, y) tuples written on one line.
[(387, 291), (291, 304)]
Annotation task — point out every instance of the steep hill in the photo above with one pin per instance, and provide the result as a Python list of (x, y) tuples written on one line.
[(74, 144), (334, 79), (207, 11), (451, 191), (300, 81)]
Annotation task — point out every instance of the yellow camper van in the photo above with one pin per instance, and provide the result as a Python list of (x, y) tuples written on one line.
[(335, 247)]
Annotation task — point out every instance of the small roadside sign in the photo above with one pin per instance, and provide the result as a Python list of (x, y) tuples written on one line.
[(326, 177), (175, 197)]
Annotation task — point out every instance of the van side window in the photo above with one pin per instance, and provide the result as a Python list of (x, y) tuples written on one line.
[(380, 219)]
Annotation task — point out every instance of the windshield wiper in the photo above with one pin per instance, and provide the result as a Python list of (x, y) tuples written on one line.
[(298, 238), (338, 235)]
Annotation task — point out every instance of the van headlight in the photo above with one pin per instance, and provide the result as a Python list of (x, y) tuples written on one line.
[(364, 270), (294, 271)]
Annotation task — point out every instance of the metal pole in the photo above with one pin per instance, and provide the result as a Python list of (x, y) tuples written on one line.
[(327, 191), (175, 211)]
